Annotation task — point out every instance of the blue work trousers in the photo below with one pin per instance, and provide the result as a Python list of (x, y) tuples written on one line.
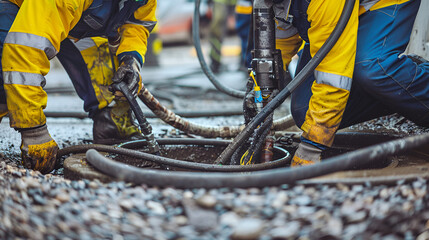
[(384, 81)]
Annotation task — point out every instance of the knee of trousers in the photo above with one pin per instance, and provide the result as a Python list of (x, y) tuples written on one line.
[(367, 72)]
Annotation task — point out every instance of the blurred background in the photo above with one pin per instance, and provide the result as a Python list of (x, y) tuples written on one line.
[(170, 45)]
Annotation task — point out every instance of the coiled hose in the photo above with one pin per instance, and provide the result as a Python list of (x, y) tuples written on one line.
[(301, 77), (123, 150), (263, 178)]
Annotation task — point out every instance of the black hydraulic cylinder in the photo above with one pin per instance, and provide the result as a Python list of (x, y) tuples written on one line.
[(265, 44)]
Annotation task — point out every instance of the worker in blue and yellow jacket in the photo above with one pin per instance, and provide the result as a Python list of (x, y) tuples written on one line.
[(34, 32), (364, 76)]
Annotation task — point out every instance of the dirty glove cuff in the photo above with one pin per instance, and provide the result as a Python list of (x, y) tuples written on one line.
[(38, 149), (306, 154), (39, 135), (130, 59)]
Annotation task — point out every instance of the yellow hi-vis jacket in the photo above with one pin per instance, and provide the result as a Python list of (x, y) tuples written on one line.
[(35, 37), (334, 74)]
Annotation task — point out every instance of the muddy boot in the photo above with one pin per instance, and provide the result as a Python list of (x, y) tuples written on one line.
[(115, 124)]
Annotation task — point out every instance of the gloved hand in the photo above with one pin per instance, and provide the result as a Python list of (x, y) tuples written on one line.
[(38, 149), (306, 154), (128, 72)]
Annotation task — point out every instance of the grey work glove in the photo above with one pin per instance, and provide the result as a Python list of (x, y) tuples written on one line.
[(306, 154), (38, 149), (128, 72)]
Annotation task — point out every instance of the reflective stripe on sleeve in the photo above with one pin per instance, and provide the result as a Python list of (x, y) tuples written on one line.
[(84, 44), (31, 40), (367, 4), (149, 25), (23, 78), (334, 80)]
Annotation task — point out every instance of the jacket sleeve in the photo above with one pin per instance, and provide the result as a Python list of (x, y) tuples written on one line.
[(334, 74), (287, 37), (289, 47), (136, 32), (32, 41)]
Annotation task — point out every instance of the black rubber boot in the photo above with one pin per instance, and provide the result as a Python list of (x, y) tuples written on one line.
[(114, 125)]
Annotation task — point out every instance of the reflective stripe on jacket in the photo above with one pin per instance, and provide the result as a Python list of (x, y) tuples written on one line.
[(35, 38), (314, 21)]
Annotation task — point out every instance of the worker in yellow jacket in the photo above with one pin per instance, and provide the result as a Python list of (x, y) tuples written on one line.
[(218, 28), (364, 76), (33, 32)]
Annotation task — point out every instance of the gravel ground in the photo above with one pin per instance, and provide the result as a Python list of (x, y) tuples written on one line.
[(35, 206), (49, 207)]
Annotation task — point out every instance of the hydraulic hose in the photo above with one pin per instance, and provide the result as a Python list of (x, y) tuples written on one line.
[(144, 125), (300, 77), (183, 113), (263, 178), (178, 122), (284, 161), (196, 38)]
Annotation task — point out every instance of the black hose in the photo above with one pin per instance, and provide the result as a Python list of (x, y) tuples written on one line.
[(264, 178), (144, 125), (301, 77), (196, 38), (284, 161), (259, 137), (182, 113)]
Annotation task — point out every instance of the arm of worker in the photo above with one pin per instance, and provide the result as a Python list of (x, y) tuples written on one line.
[(32, 41), (136, 32), (334, 74), (287, 37), (289, 47), (133, 46)]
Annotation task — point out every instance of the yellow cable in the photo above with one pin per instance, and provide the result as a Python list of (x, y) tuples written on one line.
[(252, 75), (244, 156)]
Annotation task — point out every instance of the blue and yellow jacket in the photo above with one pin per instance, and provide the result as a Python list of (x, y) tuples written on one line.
[(313, 21), (35, 38)]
